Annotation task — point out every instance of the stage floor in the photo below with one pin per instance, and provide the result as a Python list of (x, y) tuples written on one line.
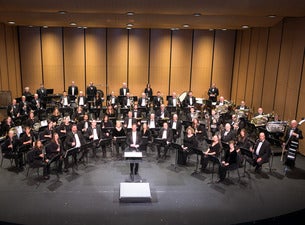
[(91, 195)]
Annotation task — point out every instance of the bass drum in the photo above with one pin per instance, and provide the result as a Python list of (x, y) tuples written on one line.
[(182, 96)]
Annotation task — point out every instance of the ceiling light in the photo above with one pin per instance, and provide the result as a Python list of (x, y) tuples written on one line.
[(211, 29), (186, 25), (11, 22), (62, 12), (197, 14), (45, 26), (224, 29), (85, 27), (128, 28), (130, 13), (245, 26), (72, 24), (174, 28), (272, 16), (129, 25)]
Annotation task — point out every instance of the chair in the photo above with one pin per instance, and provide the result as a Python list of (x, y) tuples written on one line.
[(30, 164), (235, 168), (4, 157)]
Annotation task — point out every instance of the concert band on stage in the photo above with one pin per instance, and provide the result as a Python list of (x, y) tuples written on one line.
[(75, 124)]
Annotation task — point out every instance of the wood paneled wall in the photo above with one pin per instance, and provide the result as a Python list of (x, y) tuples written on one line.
[(177, 61)]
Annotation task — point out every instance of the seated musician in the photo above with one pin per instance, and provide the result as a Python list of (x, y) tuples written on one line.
[(134, 141), (78, 114), (162, 113), (65, 100), (153, 125), (261, 152), (145, 132), (230, 162), (242, 110), (213, 150), (27, 92), (189, 142), (192, 114), (94, 133), (234, 122), (136, 112), (259, 112), (84, 124), (27, 140), (127, 101), (174, 101), (176, 126), (110, 111), (113, 100), (148, 91), (129, 120), (167, 134), (200, 131), (293, 134), (106, 123), (74, 139), (7, 125), (31, 120), (46, 134), (213, 92), (36, 103), (53, 149), (221, 101), (82, 100), (10, 149), (143, 101), (242, 141), (98, 100), (158, 100), (189, 100), (64, 127), (37, 158), (227, 134), (214, 122), (13, 109), (24, 106), (55, 115), (118, 131)]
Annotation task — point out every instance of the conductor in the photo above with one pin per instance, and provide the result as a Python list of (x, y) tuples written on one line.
[(134, 141)]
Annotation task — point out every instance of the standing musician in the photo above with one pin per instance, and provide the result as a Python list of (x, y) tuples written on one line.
[(118, 131), (27, 92), (292, 137), (167, 134), (91, 91), (42, 92), (261, 152), (10, 149), (148, 91), (124, 89), (213, 150), (189, 100), (213, 93), (74, 139), (53, 149), (73, 91), (37, 158), (134, 141)]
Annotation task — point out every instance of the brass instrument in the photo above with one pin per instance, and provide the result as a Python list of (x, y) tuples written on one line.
[(222, 109), (36, 126), (259, 120)]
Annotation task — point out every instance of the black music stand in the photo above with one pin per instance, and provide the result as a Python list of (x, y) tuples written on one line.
[(72, 152), (197, 152), (55, 160), (215, 161), (105, 142), (248, 156), (174, 166)]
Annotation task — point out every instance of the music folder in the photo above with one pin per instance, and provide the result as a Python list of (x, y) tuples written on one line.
[(71, 151), (177, 146), (133, 154), (246, 152), (159, 141), (121, 139)]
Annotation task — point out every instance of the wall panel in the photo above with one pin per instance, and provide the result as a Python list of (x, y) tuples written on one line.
[(236, 67), (223, 61), (30, 56), (52, 58), (138, 60), (160, 60), (181, 61), (4, 82), (117, 49), (202, 62), (96, 57), (74, 57)]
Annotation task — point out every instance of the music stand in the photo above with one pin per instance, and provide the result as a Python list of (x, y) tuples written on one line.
[(215, 160), (55, 159), (197, 152), (133, 157), (248, 154), (174, 167), (72, 152)]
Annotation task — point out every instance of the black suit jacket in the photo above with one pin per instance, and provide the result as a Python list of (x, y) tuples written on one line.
[(91, 92), (89, 132), (159, 113), (229, 137), (42, 92), (70, 139), (293, 138), (133, 120), (178, 127), (122, 91), (129, 139), (213, 91), (84, 100), (156, 102), (187, 101), (169, 134), (171, 102), (264, 152), (141, 100), (70, 90)]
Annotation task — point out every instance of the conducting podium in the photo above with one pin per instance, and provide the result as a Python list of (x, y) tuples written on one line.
[(133, 157), (134, 191)]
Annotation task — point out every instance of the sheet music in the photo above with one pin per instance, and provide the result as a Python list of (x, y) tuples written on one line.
[(133, 154)]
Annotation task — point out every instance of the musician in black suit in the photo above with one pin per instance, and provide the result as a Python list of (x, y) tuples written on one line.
[(82, 100), (129, 120), (91, 91), (153, 125), (162, 113), (133, 141), (189, 100), (73, 90), (27, 92), (261, 152), (42, 92), (84, 124), (176, 126), (158, 100), (124, 90), (54, 149), (36, 103), (259, 112), (127, 101), (13, 109), (173, 101), (24, 106), (167, 134), (74, 139), (136, 112), (293, 134), (143, 101), (213, 92), (148, 91), (227, 134), (113, 100), (94, 133), (65, 100), (10, 149)]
